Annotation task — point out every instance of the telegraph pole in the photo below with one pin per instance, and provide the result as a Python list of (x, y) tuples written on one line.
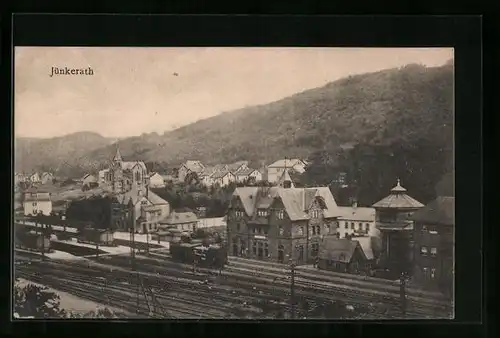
[(402, 293), (292, 290)]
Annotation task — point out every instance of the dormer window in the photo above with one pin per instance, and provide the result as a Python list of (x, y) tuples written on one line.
[(262, 213), (280, 214)]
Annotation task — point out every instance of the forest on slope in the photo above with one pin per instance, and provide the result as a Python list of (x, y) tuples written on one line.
[(376, 127)]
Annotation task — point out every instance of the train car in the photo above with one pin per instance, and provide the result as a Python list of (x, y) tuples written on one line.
[(32, 241), (213, 256)]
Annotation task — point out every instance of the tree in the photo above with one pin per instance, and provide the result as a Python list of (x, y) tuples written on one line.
[(36, 301)]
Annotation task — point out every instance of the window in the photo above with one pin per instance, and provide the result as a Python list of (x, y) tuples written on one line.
[(239, 214), (423, 250), (260, 231), (424, 227), (34, 204), (266, 250), (254, 247), (433, 273), (360, 226), (352, 225), (434, 251), (280, 214), (367, 227), (254, 230), (315, 249), (425, 271), (266, 231), (347, 225), (238, 226), (313, 230), (262, 213), (281, 231), (300, 249), (300, 231), (318, 230)]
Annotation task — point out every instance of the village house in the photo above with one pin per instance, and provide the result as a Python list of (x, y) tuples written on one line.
[(343, 255), (276, 169), (46, 177), (434, 244), (248, 174), (20, 178), (188, 167), (156, 180), (393, 219), (104, 176), (35, 178), (223, 178), (185, 221), (145, 210), (280, 223), (36, 202), (358, 221), (237, 166), (90, 181)]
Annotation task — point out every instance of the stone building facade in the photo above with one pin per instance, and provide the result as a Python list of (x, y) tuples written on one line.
[(279, 223)]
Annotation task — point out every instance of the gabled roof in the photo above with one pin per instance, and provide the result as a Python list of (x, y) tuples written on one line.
[(295, 200), (221, 174), (439, 211), (338, 250), (398, 199), (40, 196), (245, 171), (366, 245), (195, 166), (233, 167), (180, 218), (285, 177), (132, 164), (289, 163), (357, 214), (155, 199), (132, 195)]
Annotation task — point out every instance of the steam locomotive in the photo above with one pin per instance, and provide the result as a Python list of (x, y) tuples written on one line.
[(211, 256)]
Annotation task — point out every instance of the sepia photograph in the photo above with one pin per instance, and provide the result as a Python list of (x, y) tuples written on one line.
[(240, 183)]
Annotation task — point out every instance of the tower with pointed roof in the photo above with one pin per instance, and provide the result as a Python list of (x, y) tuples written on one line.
[(393, 216), (285, 180)]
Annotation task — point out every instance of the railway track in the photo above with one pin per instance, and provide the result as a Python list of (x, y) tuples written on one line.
[(343, 292), (278, 290), (124, 298)]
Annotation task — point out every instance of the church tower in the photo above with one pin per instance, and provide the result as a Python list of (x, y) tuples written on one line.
[(117, 172)]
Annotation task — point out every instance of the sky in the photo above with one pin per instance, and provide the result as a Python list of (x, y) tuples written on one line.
[(142, 90)]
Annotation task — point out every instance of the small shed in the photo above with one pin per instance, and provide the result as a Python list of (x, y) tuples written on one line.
[(342, 255)]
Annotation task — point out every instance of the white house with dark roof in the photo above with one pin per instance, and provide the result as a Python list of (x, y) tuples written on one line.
[(188, 167), (181, 221), (37, 202), (245, 174), (156, 180), (147, 209), (35, 178), (358, 221), (276, 169)]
